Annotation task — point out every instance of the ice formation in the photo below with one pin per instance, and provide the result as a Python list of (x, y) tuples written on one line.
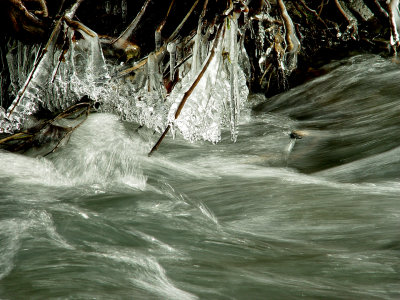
[(203, 94), (215, 102), (59, 76)]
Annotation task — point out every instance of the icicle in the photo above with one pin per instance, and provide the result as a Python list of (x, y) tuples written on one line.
[(157, 38), (116, 10), (154, 76), (196, 63), (204, 46), (56, 85), (171, 48), (233, 53), (107, 7), (124, 10)]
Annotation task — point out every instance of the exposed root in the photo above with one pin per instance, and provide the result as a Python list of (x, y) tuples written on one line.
[(313, 12), (350, 19), (393, 8), (381, 9), (292, 42)]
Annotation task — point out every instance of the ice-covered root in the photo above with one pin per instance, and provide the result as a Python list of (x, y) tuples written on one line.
[(293, 43), (394, 16)]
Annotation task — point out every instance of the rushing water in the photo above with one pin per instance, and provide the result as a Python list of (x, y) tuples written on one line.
[(263, 218)]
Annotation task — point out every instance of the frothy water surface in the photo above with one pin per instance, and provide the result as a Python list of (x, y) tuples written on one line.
[(263, 218)]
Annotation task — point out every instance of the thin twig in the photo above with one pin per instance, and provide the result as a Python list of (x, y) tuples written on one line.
[(174, 34), (162, 24), (381, 9)]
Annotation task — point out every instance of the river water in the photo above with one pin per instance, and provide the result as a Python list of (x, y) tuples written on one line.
[(266, 217)]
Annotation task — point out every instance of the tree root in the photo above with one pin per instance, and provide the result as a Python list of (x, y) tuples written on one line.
[(352, 23), (316, 15), (393, 8)]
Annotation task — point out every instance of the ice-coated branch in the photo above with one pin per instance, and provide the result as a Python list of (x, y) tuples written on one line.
[(53, 37), (162, 48), (229, 9), (293, 43), (72, 11), (157, 34), (192, 87)]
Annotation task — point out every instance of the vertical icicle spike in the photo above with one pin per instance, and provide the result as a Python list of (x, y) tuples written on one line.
[(157, 38), (124, 9), (171, 48)]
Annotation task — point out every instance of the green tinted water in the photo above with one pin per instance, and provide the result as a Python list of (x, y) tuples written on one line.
[(251, 220)]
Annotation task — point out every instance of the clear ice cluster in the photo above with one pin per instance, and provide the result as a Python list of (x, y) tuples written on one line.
[(57, 78), (65, 73)]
